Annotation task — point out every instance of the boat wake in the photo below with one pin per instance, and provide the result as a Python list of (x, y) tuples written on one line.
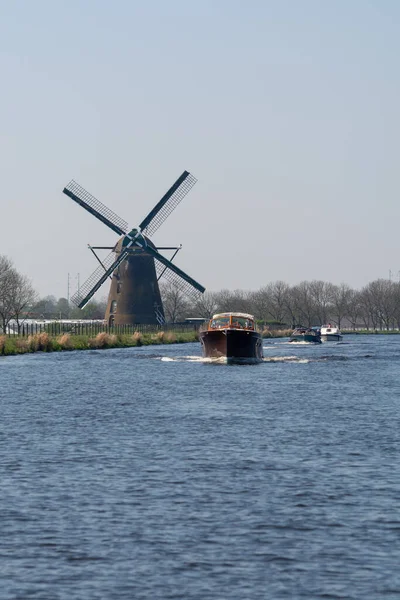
[(223, 360), (301, 343), (212, 361), (267, 359), (332, 357), (279, 359), (194, 359)]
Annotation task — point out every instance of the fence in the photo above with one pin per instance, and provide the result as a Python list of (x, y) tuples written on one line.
[(92, 329)]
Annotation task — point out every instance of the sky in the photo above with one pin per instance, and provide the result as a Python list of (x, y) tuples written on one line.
[(286, 112)]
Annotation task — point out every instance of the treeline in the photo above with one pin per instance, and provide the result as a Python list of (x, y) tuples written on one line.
[(309, 303), (16, 293), (19, 301), (50, 307)]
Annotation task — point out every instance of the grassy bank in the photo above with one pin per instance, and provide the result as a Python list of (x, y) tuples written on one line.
[(277, 333), (372, 332), (43, 342)]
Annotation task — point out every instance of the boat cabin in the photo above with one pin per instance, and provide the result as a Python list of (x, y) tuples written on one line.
[(306, 330), (329, 329), (232, 321)]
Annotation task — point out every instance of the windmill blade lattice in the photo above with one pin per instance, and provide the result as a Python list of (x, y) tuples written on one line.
[(96, 279), (95, 207), (167, 204), (137, 286), (165, 268), (183, 286)]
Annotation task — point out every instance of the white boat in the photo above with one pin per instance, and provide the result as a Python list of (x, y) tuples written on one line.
[(330, 333)]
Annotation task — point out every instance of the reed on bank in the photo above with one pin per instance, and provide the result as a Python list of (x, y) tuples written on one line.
[(43, 342), (277, 333)]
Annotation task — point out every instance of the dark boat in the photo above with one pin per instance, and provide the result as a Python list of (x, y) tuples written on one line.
[(232, 337), (306, 334)]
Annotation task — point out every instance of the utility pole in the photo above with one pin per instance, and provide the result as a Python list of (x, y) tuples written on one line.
[(68, 286), (390, 275), (68, 289)]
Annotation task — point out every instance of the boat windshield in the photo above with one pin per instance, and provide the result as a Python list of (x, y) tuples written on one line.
[(242, 323), (231, 321), (219, 322)]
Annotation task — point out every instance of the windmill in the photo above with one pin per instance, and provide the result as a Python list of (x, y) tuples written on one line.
[(134, 264)]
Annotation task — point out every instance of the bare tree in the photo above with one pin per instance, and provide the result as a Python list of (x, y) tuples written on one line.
[(303, 304), (93, 310), (368, 312), (322, 295), (292, 314), (175, 303), (23, 297), (16, 293), (259, 302), (379, 301), (7, 274), (354, 307), (341, 297), (45, 308), (278, 293), (233, 301), (63, 308), (396, 303), (206, 305)]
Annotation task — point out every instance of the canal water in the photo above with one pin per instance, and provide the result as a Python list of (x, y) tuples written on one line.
[(146, 473)]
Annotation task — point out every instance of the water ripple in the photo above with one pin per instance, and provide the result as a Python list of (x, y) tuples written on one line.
[(145, 473)]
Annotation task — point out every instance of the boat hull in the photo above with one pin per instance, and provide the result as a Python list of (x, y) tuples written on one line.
[(234, 345), (331, 337), (314, 339)]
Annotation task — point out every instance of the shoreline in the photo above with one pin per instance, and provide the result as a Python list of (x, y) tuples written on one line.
[(372, 332), (42, 342), (66, 342)]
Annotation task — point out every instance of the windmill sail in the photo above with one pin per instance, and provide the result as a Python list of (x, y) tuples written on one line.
[(95, 207), (176, 280), (167, 204), (172, 273), (134, 295), (97, 278)]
